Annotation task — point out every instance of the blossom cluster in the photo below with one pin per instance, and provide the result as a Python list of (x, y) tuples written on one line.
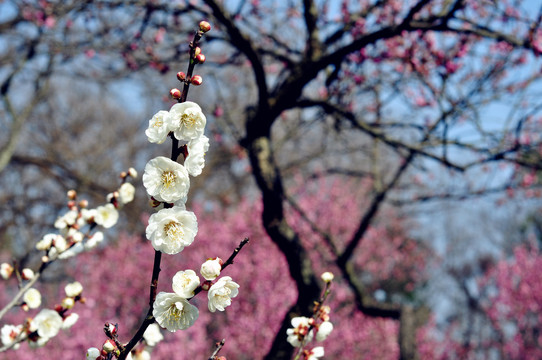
[(318, 327), (173, 227), (75, 235), (38, 330)]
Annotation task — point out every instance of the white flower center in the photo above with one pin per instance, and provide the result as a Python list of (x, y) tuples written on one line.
[(158, 123), (168, 178), (174, 231)]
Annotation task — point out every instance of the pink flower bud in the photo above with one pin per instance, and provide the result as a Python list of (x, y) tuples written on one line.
[(200, 58), (175, 93), (181, 76), (83, 203), (196, 80), (72, 194), (204, 26)]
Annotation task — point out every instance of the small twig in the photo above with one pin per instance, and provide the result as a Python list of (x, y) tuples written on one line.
[(235, 252), (219, 346)]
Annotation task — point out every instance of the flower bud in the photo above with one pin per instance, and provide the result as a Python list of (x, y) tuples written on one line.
[(83, 203), (327, 277), (132, 172), (123, 175), (6, 270), (68, 303), (175, 93), (72, 194), (197, 51), (204, 26), (92, 353), (196, 80), (181, 76), (111, 328), (27, 274), (210, 269), (109, 346), (200, 58)]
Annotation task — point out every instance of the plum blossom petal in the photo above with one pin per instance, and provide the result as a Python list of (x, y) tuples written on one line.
[(195, 161)]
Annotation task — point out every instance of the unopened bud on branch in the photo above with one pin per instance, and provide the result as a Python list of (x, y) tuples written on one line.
[(196, 80), (204, 26), (175, 93), (109, 346), (72, 194), (181, 76), (197, 51), (200, 58)]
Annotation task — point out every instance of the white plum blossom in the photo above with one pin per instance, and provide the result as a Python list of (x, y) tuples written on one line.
[(126, 193), (170, 230), (37, 343), (68, 219), (166, 180), (106, 215), (158, 128), (174, 312), (186, 121), (315, 353), (195, 161), (75, 249), (32, 298), (185, 282), (74, 235), (9, 334), (94, 240), (48, 323), (153, 335), (87, 216), (221, 293), (299, 334), (6, 270), (73, 289), (324, 329), (142, 355), (93, 353), (69, 321), (210, 269), (46, 242)]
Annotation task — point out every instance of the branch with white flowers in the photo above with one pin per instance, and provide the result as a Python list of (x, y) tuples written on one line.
[(173, 227), (71, 240)]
